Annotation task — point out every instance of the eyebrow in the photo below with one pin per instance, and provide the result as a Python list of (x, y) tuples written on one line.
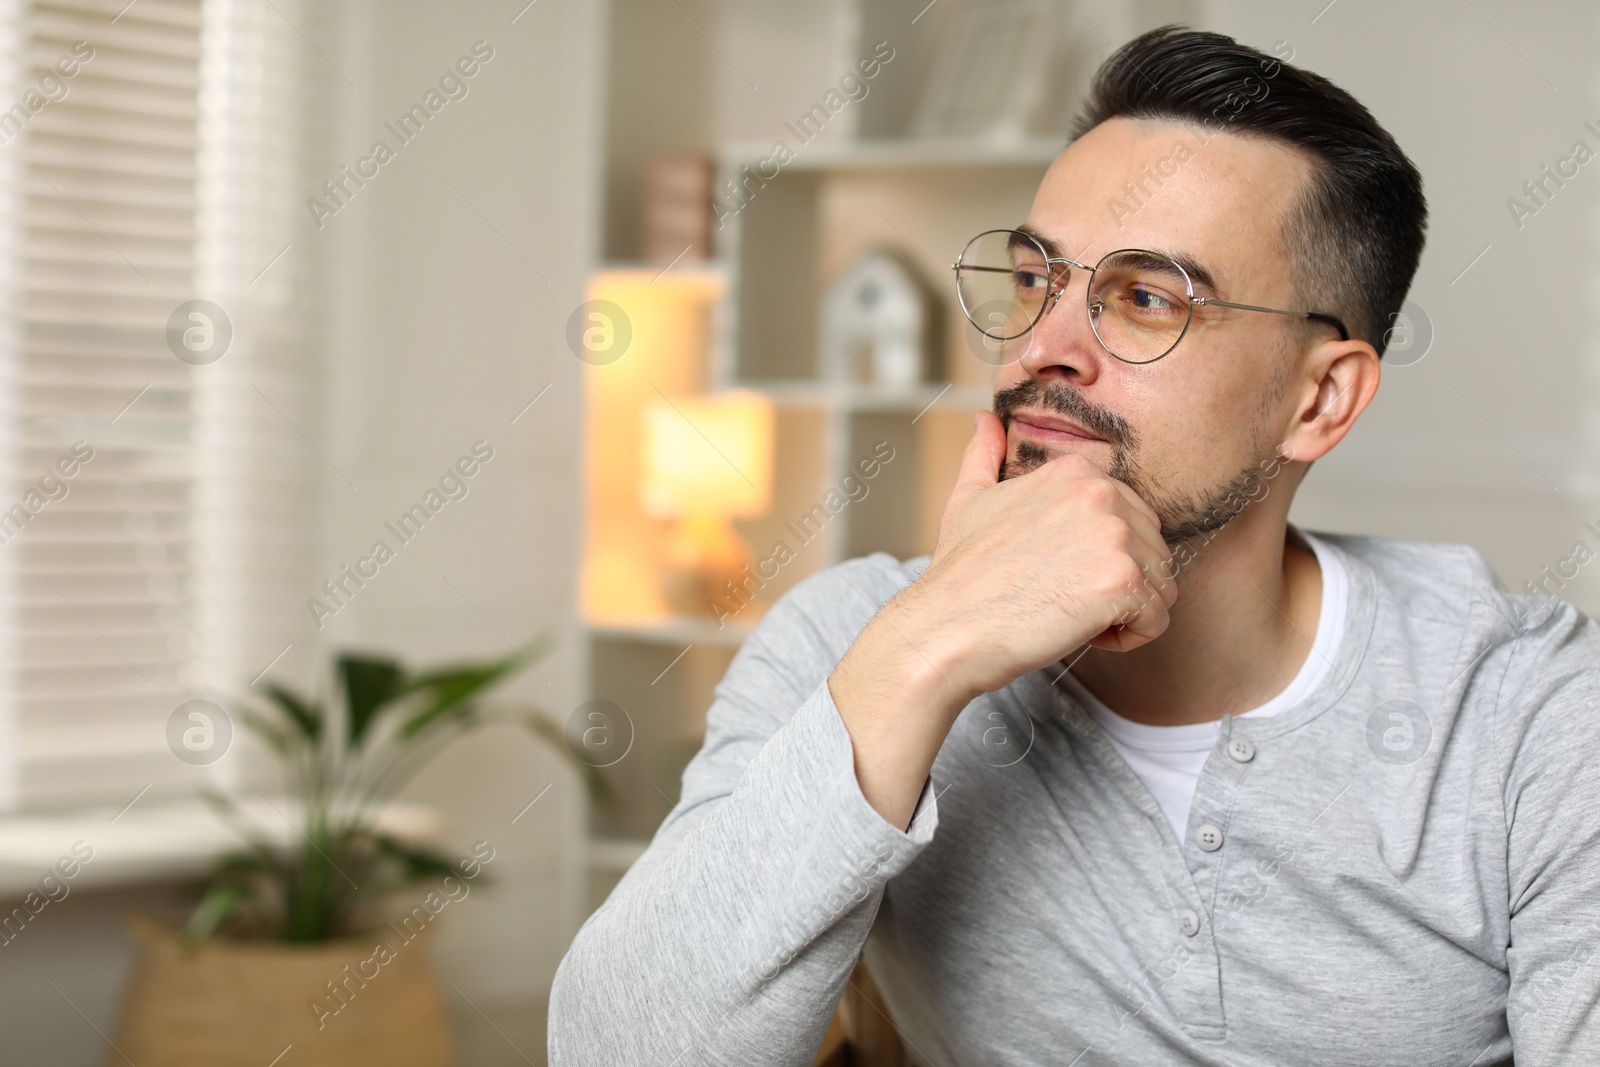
[(1197, 271), (1053, 250)]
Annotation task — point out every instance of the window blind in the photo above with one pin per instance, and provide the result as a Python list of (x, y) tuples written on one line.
[(156, 173), (103, 615)]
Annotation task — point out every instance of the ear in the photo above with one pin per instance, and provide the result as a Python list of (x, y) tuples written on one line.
[(1341, 378)]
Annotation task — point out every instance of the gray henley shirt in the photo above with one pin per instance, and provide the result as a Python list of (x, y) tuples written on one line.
[(1402, 868)]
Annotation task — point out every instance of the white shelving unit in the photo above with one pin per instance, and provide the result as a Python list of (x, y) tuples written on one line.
[(776, 258), (838, 197)]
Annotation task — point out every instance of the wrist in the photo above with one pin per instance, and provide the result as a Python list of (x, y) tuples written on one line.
[(933, 651), (905, 651), (898, 707)]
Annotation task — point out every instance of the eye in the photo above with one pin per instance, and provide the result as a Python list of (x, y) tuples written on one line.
[(1030, 278), (1148, 299)]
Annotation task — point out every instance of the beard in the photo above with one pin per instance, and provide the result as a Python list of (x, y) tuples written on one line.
[(1185, 515)]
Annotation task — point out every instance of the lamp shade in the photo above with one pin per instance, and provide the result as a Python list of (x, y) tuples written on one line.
[(708, 455)]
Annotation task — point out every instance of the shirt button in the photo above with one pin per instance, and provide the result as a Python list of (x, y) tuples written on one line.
[(1241, 750), (1188, 922), (1208, 837)]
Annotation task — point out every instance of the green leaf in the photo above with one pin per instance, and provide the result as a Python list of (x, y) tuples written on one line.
[(307, 717), (418, 862), (369, 682), (450, 691), (221, 902), (230, 812), (300, 892), (520, 657)]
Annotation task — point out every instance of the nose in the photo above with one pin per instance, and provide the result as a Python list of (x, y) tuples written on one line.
[(1062, 344)]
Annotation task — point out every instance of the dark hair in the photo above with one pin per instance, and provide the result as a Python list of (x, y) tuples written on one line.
[(1356, 234)]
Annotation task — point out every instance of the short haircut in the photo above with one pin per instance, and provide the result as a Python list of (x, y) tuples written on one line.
[(1356, 235)]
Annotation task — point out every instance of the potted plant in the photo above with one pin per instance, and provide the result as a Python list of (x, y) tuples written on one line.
[(302, 945)]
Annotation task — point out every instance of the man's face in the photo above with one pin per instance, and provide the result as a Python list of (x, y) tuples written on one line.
[(1185, 431)]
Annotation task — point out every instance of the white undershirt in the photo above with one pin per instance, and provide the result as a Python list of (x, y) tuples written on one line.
[(1168, 759)]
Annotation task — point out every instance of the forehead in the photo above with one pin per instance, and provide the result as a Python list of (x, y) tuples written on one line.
[(1221, 198)]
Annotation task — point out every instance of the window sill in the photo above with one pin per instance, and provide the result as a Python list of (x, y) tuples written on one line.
[(162, 842)]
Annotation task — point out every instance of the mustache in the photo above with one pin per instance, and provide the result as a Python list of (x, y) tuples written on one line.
[(1063, 399)]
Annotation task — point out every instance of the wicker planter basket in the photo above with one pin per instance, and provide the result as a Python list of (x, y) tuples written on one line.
[(241, 1004)]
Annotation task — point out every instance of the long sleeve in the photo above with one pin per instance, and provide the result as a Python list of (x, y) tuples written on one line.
[(1553, 838), (730, 940)]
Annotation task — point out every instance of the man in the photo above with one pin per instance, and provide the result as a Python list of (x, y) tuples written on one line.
[(1130, 770)]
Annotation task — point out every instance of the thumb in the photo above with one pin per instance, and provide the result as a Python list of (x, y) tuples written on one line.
[(980, 463)]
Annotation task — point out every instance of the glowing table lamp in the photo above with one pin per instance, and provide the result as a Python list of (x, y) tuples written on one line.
[(706, 460)]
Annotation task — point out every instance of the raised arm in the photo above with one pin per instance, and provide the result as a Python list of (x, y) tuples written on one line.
[(731, 939), (1026, 570)]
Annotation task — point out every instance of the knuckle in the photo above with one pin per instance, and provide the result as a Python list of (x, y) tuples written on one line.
[(1114, 531), (1096, 492), (1169, 589), (1120, 582), (1129, 575)]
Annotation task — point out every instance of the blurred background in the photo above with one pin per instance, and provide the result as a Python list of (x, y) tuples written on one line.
[(608, 322)]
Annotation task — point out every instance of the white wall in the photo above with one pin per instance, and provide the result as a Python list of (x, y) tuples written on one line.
[(457, 268), (1490, 438)]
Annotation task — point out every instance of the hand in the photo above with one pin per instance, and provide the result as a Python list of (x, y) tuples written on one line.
[(1031, 568), (1024, 572)]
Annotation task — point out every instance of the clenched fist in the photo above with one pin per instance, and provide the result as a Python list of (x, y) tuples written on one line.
[(1025, 571)]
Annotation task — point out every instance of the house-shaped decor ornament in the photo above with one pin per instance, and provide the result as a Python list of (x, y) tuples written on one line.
[(879, 325)]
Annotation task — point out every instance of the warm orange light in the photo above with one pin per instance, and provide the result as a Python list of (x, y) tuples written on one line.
[(706, 455), (670, 321)]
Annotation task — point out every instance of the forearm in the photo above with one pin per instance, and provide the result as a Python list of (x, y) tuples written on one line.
[(898, 694), (733, 942)]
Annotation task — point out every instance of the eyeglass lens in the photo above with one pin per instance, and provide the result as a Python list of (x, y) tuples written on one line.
[(1138, 301)]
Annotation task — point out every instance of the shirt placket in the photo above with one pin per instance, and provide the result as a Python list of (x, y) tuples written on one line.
[(1207, 848), (1186, 975)]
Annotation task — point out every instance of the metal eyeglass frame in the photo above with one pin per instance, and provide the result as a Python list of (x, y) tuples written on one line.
[(1056, 290)]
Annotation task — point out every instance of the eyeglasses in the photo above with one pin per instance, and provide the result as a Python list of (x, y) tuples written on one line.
[(1140, 303)]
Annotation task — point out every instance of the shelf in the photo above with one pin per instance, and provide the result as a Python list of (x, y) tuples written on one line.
[(674, 631), (790, 238), (705, 276), (848, 396), (888, 154)]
